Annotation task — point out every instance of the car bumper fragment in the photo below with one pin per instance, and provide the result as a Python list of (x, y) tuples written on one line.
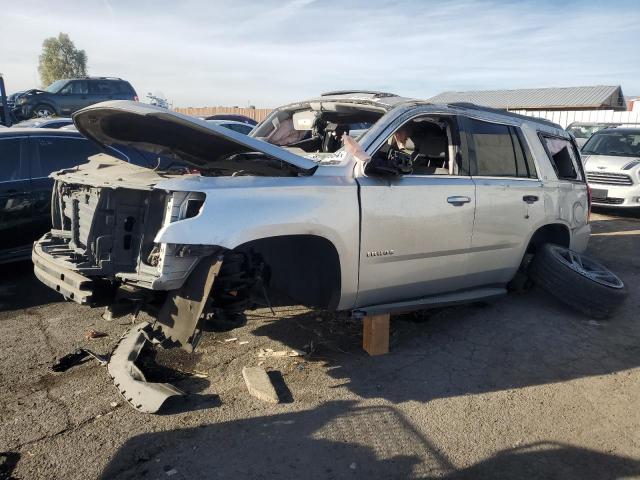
[(144, 396)]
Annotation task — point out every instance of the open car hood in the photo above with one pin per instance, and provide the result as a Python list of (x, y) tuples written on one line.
[(164, 132)]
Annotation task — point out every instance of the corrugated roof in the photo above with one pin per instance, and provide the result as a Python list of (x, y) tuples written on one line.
[(567, 97)]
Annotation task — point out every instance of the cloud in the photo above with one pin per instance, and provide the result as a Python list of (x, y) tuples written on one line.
[(272, 52)]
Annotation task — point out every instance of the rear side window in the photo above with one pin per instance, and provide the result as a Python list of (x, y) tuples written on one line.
[(124, 87), (498, 150), (10, 159), (102, 87), (56, 153), (563, 156)]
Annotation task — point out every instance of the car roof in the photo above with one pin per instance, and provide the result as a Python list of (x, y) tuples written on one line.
[(32, 131), (228, 122), (389, 101), (609, 131)]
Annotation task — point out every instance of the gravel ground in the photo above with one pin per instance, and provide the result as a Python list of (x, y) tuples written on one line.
[(520, 387)]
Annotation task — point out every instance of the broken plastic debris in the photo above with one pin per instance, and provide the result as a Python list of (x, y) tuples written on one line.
[(297, 353), (270, 353), (244, 342), (114, 404), (231, 339), (91, 334)]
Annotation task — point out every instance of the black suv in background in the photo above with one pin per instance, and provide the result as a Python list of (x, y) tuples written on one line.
[(63, 97), (27, 157)]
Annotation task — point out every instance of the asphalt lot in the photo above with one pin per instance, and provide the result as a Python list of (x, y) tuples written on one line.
[(521, 387)]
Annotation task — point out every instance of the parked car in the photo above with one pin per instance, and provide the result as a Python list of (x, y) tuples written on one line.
[(28, 157), (232, 117), (582, 131), (241, 127), (48, 122), (63, 97), (612, 160), (434, 205), (5, 110)]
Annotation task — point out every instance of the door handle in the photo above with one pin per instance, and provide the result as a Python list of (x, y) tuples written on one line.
[(458, 201), (530, 199)]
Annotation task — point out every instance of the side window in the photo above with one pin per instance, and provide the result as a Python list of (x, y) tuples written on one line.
[(563, 156), (10, 158), (498, 150), (426, 145), (77, 87), (101, 87), (56, 153)]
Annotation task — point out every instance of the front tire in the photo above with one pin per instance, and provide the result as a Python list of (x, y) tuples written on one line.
[(42, 111), (577, 281)]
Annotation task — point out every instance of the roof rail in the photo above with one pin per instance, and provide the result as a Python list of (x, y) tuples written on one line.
[(368, 92), (499, 111), (101, 78)]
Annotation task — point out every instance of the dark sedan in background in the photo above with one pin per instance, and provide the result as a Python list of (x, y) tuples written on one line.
[(27, 157)]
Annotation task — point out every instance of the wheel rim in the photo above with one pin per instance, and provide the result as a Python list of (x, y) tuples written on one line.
[(43, 112), (587, 267)]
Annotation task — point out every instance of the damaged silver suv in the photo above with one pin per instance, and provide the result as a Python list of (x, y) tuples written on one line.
[(441, 204)]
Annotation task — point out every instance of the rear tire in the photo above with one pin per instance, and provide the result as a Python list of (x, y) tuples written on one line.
[(577, 281)]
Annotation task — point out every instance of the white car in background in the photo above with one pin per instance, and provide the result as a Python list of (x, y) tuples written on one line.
[(612, 162)]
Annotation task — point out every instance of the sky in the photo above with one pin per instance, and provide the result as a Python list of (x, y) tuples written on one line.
[(268, 53)]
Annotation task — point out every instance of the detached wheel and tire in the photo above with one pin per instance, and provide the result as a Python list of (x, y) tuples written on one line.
[(578, 281)]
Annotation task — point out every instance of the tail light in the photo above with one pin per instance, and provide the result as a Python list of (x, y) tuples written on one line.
[(589, 202)]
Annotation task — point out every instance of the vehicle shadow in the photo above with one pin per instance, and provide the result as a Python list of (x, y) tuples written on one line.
[(513, 342), (340, 440), (19, 288)]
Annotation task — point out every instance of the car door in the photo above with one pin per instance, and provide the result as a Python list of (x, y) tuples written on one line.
[(101, 91), (415, 229), (73, 96), (50, 153), (15, 201), (509, 199)]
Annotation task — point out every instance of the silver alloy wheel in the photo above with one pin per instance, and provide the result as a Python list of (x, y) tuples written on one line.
[(586, 267), (43, 112)]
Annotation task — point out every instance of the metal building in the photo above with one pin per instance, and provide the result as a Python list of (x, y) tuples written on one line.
[(601, 97)]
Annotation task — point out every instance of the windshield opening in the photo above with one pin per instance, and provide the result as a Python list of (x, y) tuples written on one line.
[(624, 144), (56, 86), (314, 131)]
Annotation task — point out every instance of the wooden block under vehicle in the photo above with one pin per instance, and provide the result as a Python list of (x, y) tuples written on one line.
[(375, 334)]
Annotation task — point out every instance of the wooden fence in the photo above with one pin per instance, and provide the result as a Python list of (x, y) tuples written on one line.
[(258, 114)]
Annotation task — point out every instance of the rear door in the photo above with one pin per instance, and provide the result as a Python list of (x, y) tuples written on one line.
[(102, 90), (415, 231), (48, 154), (15, 201), (73, 96), (509, 199)]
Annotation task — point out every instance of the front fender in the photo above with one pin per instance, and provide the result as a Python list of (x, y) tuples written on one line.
[(238, 210)]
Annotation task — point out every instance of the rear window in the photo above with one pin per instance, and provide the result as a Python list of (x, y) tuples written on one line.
[(564, 157), (56, 153), (498, 150), (125, 87)]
